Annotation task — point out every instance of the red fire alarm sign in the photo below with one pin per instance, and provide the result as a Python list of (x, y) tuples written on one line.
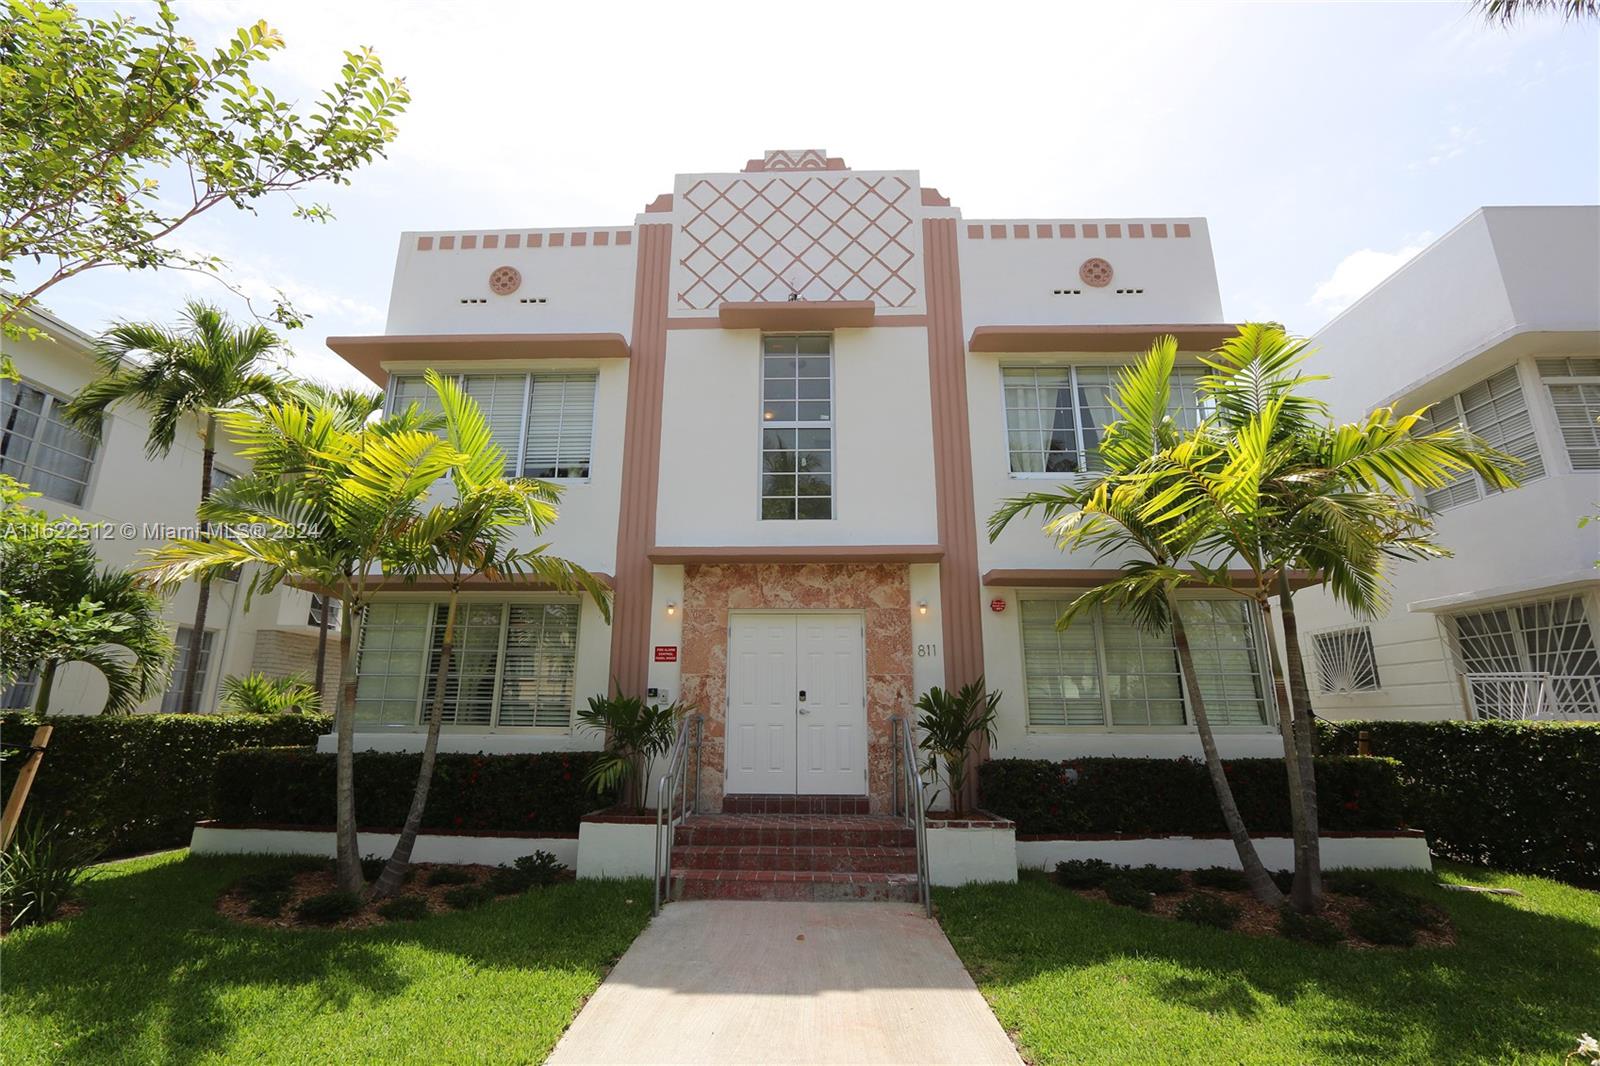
[(666, 653), (997, 605)]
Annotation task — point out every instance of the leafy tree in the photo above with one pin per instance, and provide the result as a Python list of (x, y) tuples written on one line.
[(115, 132), (58, 607), (473, 535), (324, 507), (198, 370), (1110, 515)]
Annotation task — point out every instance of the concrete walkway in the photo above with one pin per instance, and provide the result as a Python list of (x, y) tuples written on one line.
[(769, 982)]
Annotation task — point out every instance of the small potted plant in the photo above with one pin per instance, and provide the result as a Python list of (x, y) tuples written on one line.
[(949, 721)]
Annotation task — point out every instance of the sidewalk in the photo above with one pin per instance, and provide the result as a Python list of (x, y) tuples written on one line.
[(744, 982)]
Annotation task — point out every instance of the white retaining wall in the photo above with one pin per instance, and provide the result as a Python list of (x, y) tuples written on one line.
[(490, 851)]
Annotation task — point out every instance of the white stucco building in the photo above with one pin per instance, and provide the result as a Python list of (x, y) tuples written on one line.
[(1496, 324), (135, 500), (783, 401)]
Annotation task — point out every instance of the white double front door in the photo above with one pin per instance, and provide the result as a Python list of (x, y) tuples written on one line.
[(797, 704)]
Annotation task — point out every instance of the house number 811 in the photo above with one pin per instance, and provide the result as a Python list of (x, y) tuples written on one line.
[(927, 651)]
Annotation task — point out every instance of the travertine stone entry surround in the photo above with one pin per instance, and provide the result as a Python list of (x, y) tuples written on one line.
[(881, 591)]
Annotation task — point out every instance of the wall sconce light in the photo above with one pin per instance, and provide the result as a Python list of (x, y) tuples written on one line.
[(672, 608), (922, 606)]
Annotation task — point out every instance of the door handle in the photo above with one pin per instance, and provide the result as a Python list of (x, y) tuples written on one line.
[(805, 710)]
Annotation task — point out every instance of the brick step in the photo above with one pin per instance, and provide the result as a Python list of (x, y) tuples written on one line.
[(758, 857), (763, 804), (793, 885), (794, 830)]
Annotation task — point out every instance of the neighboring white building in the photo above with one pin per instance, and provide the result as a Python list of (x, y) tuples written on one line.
[(132, 497), (783, 402), (1496, 324)]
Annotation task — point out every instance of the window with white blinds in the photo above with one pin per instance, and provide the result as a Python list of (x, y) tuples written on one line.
[(1345, 661), (1105, 671), (1574, 386), (1496, 410), (39, 447), (544, 422), (513, 665), (1055, 415)]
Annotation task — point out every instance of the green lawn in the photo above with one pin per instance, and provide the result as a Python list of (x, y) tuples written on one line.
[(149, 973), (1085, 982)]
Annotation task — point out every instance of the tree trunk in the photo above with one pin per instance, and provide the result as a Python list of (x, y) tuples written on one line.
[(1307, 874), (394, 871), (1303, 841), (47, 681), (191, 672), (322, 646), (1261, 885), (347, 848)]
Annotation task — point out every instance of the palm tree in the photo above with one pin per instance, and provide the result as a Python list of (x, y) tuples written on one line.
[(1270, 484), (325, 506), (470, 537), (129, 645), (1110, 515), (204, 367), (358, 406), (1507, 12)]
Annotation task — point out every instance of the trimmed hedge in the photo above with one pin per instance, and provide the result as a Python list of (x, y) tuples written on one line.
[(1521, 796), (139, 782), (1155, 796), (495, 793)]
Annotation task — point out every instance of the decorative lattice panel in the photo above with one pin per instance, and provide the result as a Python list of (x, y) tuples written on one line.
[(829, 236)]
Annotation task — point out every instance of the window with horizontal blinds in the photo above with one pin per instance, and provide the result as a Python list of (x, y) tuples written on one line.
[(1055, 415), (1496, 410), (39, 447), (513, 665), (1106, 671), (560, 426), (180, 668), (544, 422), (1574, 387)]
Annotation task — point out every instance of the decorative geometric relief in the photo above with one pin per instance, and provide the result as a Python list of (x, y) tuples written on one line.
[(841, 236), (505, 280), (1096, 272), (796, 159)]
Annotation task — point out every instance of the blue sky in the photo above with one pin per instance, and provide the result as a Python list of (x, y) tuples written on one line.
[(1324, 142)]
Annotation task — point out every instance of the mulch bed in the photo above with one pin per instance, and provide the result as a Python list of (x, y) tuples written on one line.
[(1258, 919), (234, 903), (70, 909)]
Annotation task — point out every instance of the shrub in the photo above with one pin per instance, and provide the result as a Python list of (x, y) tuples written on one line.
[(372, 866), (259, 694), (1124, 893), (499, 793), (449, 875), (140, 782), (1158, 880), (1284, 879), (1155, 796), (540, 868), (403, 909), (1082, 873), (1203, 908), (468, 896), (1514, 795), (1311, 928), (41, 872), (1379, 924), (267, 904), (329, 907), (1350, 884), (265, 882), (1222, 878)]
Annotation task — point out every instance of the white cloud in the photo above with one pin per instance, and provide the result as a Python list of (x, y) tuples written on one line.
[(1361, 271)]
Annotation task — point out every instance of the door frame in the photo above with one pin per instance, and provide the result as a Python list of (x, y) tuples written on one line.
[(727, 685)]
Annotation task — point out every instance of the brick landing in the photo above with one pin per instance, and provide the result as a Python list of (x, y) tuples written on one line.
[(794, 857)]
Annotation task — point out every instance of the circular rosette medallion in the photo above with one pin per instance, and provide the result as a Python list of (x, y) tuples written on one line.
[(506, 280), (1095, 272)]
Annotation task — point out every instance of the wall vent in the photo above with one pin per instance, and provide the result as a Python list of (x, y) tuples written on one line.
[(1067, 292), (1129, 292), (473, 300), (531, 300)]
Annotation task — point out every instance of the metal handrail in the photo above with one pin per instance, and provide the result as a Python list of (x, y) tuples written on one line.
[(668, 812), (906, 777)]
